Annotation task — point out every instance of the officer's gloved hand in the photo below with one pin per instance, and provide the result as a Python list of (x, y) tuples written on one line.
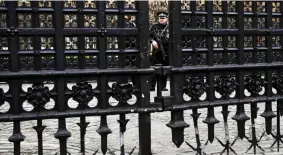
[(154, 44)]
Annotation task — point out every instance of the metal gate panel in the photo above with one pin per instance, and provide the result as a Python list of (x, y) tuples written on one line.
[(231, 55), (222, 53), (74, 43)]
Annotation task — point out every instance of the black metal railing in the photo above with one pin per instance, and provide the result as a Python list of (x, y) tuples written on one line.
[(223, 47)]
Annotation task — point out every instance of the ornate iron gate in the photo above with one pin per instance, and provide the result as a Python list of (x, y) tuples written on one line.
[(217, 47)]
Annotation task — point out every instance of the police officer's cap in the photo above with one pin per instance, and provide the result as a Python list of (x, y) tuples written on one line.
[(162, 14)]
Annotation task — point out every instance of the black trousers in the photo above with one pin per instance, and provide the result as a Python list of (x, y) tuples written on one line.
[(157, 59)]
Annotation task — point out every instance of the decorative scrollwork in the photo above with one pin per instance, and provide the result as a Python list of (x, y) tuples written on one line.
[(248, 22), (187, 58), (231, 22), (217, 58), (275, 23), (254, 83), (201, 59), (82, 93), (90, 61), (201, 21), (232, 57), (4, 63), (225, 85), (130, 60), (2, 97), (195, 87), (3, 20), (187, 41), (186, 21), (122, 92), (25, 20), (277, 81), (38, 95), (130, 42), (26, 62)]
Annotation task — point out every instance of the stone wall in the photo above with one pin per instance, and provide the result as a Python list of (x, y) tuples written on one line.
[(154, 7)]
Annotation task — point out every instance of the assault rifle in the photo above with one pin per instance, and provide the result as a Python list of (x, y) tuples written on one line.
[(160, 46), (159, 42)]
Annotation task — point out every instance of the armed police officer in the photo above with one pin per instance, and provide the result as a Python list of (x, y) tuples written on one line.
[(159, 39)]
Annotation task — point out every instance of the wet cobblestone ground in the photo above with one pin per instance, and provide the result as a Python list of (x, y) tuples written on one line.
[(161, 135)]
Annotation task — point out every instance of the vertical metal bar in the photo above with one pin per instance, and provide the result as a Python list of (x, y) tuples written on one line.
[(210, 76), (83, 125), (268, 113), (193, 17), (144, 118), (254, 36), (59, 38), (62, 133), (103, 122), (102, 64), (80, 6), (143, 47), (177, 123), (253, 141), (225, 26), (281, 26), (81, 45), (122, 54), (195, 116), (103, 129), (278, 136), (278, 125), (144, 134), (210, 120), (269, 36), (121, 38), (40, 145), (209, 22), (240, 115), (194, 26), (240, 44), (225, 114), (102, 59), (39, 129), (122, 130), (143, 26), (123, 122), (36, 38), (17, 136), (13, 40), (175, 46)]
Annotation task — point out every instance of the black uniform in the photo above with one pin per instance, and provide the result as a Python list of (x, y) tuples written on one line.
[(161, 31)]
